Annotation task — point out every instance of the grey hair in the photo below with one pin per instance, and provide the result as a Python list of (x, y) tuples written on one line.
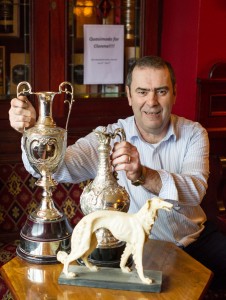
[(154, 62)]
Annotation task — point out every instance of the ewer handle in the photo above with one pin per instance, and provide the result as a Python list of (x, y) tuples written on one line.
[(119, 132)]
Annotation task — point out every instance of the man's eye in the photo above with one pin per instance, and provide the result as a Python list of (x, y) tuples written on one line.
[(143, 93), (162, 92)]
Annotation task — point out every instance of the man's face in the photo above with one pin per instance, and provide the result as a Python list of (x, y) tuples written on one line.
[(151, 96)]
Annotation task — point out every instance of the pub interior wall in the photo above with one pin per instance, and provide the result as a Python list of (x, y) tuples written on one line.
[(193, 39)]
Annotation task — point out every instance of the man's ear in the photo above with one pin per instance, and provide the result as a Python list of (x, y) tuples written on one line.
[(128, 95)]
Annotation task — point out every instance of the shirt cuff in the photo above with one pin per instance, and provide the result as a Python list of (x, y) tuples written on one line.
[(168, 190)]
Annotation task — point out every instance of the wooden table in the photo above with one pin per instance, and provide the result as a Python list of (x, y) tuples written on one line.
[(183, 278)]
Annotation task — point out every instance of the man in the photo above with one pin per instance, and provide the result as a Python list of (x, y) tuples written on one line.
[(164, 155)]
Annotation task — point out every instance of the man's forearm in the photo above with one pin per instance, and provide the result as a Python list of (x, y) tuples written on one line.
[(153, 181)]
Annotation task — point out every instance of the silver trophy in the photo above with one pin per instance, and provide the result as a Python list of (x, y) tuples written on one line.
[(47, 229), (104, 193)]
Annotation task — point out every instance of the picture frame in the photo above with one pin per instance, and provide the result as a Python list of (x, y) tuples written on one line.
[(10, 27), (2, 70), (19, 70)]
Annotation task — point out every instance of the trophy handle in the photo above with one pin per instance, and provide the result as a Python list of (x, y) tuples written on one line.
[(24, 92), (63, 89)]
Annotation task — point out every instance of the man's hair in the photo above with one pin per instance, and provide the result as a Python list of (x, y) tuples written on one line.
[(154, 62)]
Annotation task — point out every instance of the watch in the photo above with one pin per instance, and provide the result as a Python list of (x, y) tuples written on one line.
[(141, 179)]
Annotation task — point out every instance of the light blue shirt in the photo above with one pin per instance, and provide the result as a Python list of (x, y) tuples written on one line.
[(182, 161)]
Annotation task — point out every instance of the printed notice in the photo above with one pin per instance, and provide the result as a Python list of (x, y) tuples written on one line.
[(103, 54)]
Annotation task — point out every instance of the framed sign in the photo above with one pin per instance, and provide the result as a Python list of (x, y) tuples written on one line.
[(103, 54), (9, 18)]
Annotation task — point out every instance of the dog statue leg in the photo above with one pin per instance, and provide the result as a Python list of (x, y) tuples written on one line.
[(124, 259), (65, 271), (137, 255), (93, 244), (65, 259), (88, 264)]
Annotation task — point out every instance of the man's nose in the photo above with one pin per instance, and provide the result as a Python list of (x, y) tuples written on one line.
[(152, 98)]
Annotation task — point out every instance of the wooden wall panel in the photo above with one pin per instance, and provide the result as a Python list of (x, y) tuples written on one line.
[(211, 113)]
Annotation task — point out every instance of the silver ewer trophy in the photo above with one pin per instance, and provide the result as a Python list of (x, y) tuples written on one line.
[(47, 229), (104, 193)]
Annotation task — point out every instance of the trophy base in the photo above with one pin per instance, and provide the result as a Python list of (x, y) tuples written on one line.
[(107, 257), (41, 240)]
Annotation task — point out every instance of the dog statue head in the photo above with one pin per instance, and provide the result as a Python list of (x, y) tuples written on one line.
[(149, 212), (156, 203)]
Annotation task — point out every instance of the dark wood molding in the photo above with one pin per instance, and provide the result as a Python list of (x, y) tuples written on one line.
[(151, 26)]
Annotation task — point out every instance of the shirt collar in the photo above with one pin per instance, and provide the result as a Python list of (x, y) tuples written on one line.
[(133, 131)]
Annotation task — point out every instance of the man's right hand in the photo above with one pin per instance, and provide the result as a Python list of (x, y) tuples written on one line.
[(21, 114)]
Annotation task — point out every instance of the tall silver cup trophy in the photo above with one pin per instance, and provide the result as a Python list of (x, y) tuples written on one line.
[(47, 229)]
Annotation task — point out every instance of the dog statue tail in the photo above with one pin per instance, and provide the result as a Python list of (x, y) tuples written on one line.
[(61, 256)]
